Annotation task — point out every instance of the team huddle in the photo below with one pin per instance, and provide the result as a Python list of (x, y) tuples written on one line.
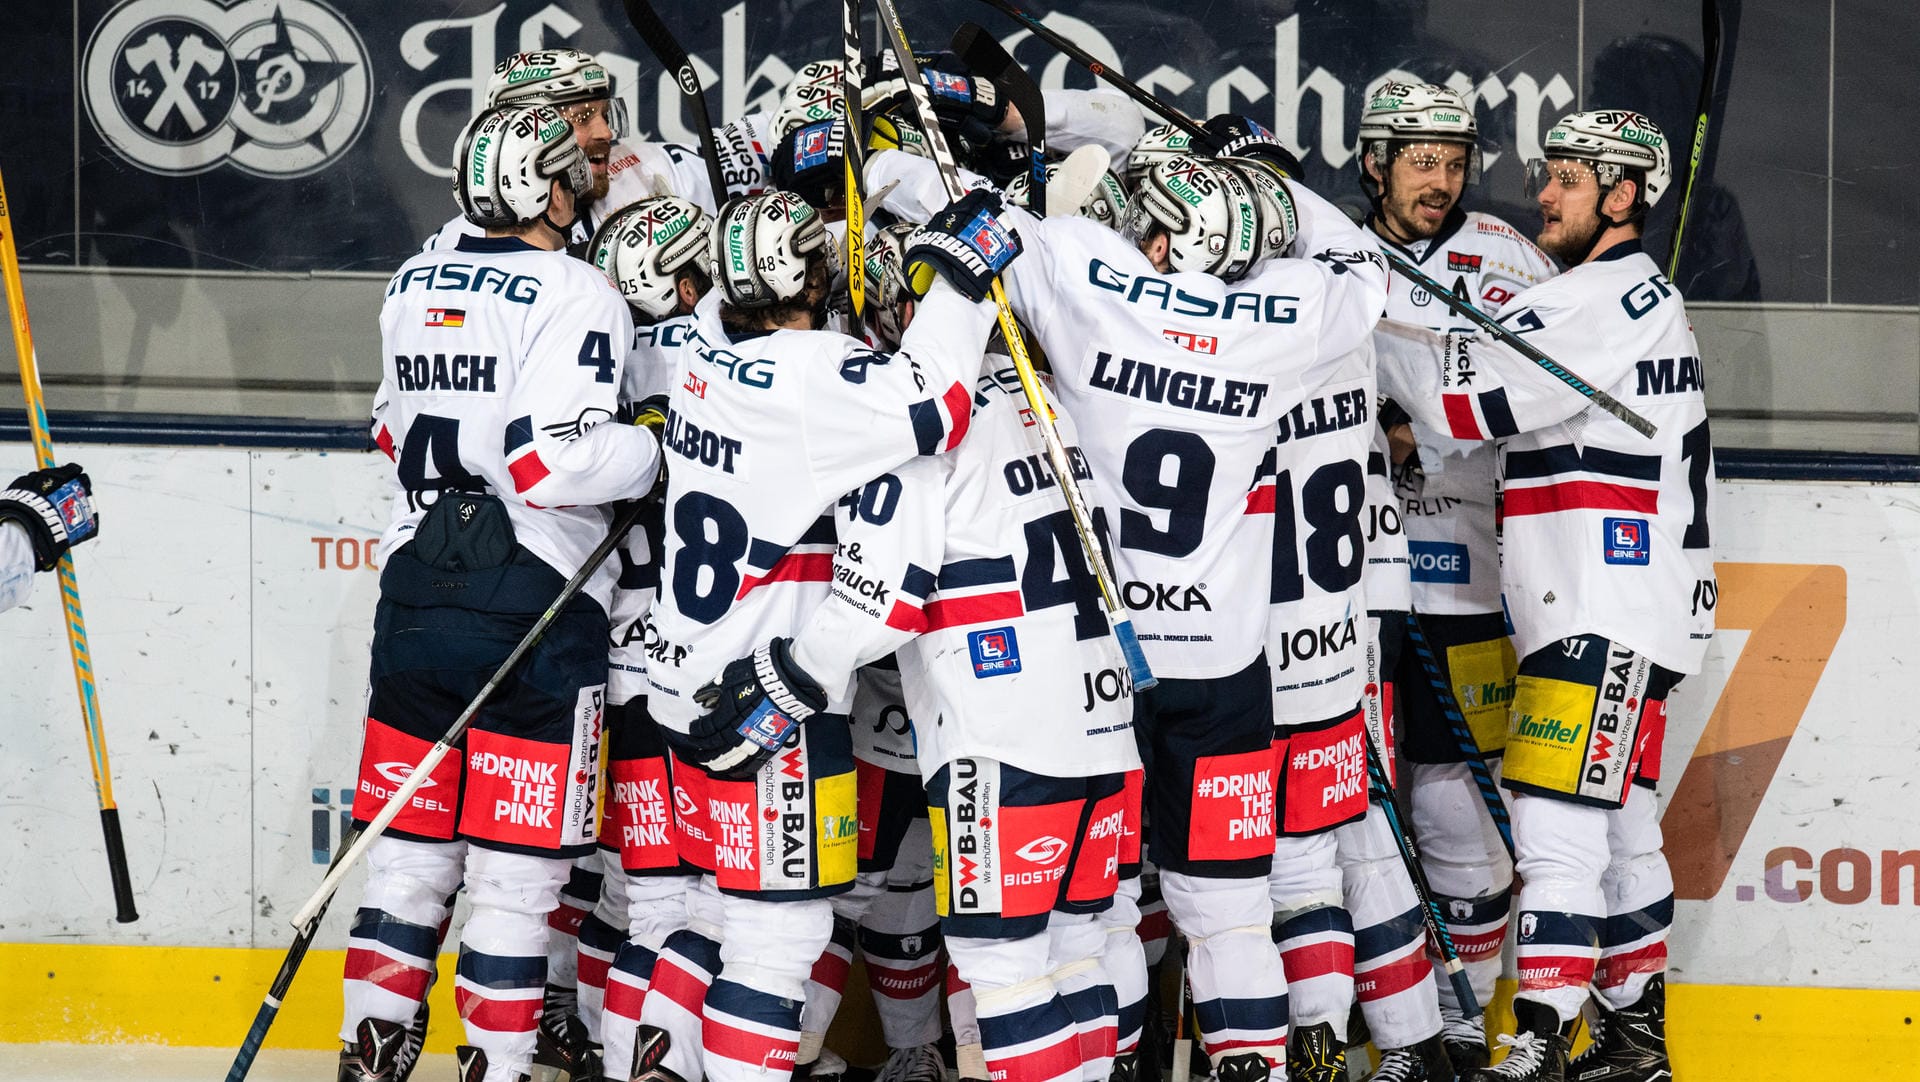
[(1002, 678)]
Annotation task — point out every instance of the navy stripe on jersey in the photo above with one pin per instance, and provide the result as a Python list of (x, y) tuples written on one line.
[(1638, 924), (519, 433), (1493, 406), (982, 572), (1567, 458), (418, 940), (929, 427), (767, 553), (917, 581)]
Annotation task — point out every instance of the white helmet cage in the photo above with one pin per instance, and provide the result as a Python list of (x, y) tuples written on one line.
[(1402, 113), (506, 159), (761, 247), (647, 246), (813, 95), (887, 279), (1106, 203), (1208, 211), (556, 77), (1160, 144), (1618, 144)]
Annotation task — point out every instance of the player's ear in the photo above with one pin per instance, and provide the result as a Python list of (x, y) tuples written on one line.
[(1621, 198), (1372, 166), (688, 293)]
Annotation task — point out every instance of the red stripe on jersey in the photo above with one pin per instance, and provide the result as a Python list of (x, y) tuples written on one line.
[(793, 567), (497, 1015), (683, 987), (1578, 495), (1395, 977), (527, 471), (960, 413), (384, 440), (978, 609), (1460, 417), (592, 969), (1614, 969), (907, 618), (1260, 501), (1321, 959), (387, 974)]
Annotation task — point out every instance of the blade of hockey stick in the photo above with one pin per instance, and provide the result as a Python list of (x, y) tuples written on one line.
[(1077, 505), (1075, 178), (309, 913), (1399, 263), (987, 57), (666, 49), (1462, 732)]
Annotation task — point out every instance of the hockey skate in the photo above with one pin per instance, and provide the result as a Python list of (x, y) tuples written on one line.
[(1423, 1062), (381, 1051), (829, 1067), (1314, 1054), (1126, 1068), (473, 1065), (562, 1045), (1466, 1040), (650, 1046), (919, 1064), (1629, 1044), (1537, 1053)]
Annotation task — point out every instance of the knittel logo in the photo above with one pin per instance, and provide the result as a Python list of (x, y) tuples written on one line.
[(278, 88)]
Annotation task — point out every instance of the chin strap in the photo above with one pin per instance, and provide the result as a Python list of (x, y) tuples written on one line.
[(557, 231)]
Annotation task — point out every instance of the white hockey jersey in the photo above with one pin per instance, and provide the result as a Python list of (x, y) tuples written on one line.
[(1177, 381), (1389, 579), (1448, 505), (649, 371), (765, 435), (501, 363), (1606, 532)]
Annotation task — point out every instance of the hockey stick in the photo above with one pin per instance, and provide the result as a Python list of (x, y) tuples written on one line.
[(1077, 505), (987, 57), (1182, 1041), (69, 583), (672, 57), (852, 74), (1462, 732), (1718, 19), (1398, 262), (309, 914), (1410, 857)]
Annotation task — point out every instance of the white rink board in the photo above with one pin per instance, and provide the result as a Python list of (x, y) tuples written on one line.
[(233, 668)]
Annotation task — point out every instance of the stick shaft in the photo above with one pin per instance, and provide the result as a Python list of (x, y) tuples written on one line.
[(1462, 732), (666, 49), (76, 619), (854, 181), (1712, 32)]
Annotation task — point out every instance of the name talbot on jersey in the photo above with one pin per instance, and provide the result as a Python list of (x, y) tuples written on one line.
[(1170, 386), (460, 372)]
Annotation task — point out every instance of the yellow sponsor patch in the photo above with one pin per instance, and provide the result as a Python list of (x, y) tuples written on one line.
[(942, 905), (1547, 733), (1483, 674), (836, 803)]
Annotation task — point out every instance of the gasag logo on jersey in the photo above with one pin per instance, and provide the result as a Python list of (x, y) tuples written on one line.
[(1462, 263), (1625, 541), (446, 317), (995, 652), (279, 88), (1439, 561), (1192, 343), (1105, 686)]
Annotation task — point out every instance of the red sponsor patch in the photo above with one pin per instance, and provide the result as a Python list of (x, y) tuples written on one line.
[(1132, 789), (1496, 294), (1035, 843), (639, 817), (692, 820), (387, 760), (1232, 816), (516, 790), (695, 386), (1649, 742), (730, 811), (1325, 776), (1463, 263), (1096, 868)]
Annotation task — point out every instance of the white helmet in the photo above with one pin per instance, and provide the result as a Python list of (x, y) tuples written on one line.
[(814, 94), (505, 160), (1279, 221), (555, 77), (1106, 203), (887, 278), (1164, 143), (1214, 219), (1612, 141), (647, 246), (761, 248), (1415, 113)]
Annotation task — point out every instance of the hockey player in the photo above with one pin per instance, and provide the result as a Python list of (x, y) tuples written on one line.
[(1419, 151), (1179, 345), (1607, 572), (42, 515), (503, 361), (772, 422)]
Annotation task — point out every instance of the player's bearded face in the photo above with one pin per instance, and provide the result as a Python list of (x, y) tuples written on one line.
[(1569, 210), (594, 134), (1423, 184)]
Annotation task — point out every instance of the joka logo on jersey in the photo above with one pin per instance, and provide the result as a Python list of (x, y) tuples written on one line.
[(446, 317), (995, 652), (1461, 262), (280, 88), (1625, 541)]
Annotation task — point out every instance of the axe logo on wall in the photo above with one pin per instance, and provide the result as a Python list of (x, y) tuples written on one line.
[(279, 88)]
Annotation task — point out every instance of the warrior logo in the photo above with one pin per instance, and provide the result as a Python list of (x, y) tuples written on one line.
[(279, 88)]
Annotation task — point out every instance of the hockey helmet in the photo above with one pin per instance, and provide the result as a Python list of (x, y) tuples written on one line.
[(1618, 144), (556, 77), (813, 95), (886, 253), (505, 160), (1164, 143), (1400, 113), (645, 248), (1212, 216), (761, 248), (1106, 203)]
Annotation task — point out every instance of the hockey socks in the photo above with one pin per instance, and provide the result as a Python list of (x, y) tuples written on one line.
[(748, 1035), (1316, 949), (675, 999)]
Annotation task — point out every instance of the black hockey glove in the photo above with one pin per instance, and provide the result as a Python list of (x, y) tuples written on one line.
[(650, 413), (1244, 137), (811, 161), (752, 709), (968, 105), (1001, 161), (55, 507), (965, 243)]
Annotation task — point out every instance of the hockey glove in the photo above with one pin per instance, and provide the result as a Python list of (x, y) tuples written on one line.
[(968, 105), (810, 162), (1002, 161), (55, 507), (752, 709), (651, 414), (1244, 137), (965, 243)]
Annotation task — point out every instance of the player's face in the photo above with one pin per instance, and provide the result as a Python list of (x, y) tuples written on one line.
[(1422, 186), (593, 130), (1569, 202)]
